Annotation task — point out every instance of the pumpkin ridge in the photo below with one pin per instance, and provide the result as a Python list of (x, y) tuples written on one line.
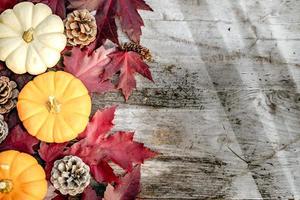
[(43, 21), (31, 195), (17, 17), (30, 100), (40, 89), (13, 162), (12, 29), (10, 25), (37, 113), (27, 59), (37, 167), (81, 114), (22, 65), (43, 124), (32, 15), (40, 41), (64, 120), (36, 7), (16, 178), (74, 98), (22, 192), (10, 164), (13, 51), (9, 40), (38, 53), (10, 37), (25, 183), (37, 132), (19, 9), (68, 85)]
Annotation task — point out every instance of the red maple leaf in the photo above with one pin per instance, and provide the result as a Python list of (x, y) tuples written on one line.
[(90, 194), (97, 148), (128, 63), (107, 28), (107, 10), (100, 124), (88, 68), (51, 194), (91, 5), (57, 6), (20, 140), (49, 153), (5, 4), (127, 189)]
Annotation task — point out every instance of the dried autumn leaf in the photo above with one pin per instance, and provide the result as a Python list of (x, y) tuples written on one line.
[(107, 11), (5, 4), (130, 19), (107, 28), (99, 125), (90, 194), (58, 6), (103, 172), (88, 68), (20, 140), (127, 189), (122, 150), (97, 148), (91, 5), (49, 153), (128, 63), (50, 192)]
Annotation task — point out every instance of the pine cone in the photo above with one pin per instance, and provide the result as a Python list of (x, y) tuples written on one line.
[(3, 129), (8, 94), (70, 175), (143, 51), (81, 28)]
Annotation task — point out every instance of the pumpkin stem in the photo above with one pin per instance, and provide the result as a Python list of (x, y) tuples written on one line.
[(6, 186), (53, 104), (28, 35)]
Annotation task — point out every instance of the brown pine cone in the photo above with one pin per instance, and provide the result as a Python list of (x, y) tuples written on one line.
[(3, 129), (143, 51), (81, 28), (8, 94)]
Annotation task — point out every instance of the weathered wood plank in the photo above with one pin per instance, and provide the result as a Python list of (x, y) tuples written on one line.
[(225, 109)]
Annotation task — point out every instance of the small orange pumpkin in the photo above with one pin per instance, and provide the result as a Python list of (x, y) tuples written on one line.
[(21, 177), (54, 107)]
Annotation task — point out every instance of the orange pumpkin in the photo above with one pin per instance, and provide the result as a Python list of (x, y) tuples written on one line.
[(54, 107), (21, 177)]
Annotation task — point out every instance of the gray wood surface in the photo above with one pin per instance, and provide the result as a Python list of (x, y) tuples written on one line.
[(225, 107)]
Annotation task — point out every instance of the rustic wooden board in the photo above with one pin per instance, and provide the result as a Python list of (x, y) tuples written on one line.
[(225, 108)]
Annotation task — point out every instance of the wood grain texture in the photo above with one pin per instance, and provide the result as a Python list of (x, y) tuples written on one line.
[(225, 108)]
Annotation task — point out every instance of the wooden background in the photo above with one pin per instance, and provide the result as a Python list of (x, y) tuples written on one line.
[(225, 107)]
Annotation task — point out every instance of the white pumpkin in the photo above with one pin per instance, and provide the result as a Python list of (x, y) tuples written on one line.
[(31, 38)]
